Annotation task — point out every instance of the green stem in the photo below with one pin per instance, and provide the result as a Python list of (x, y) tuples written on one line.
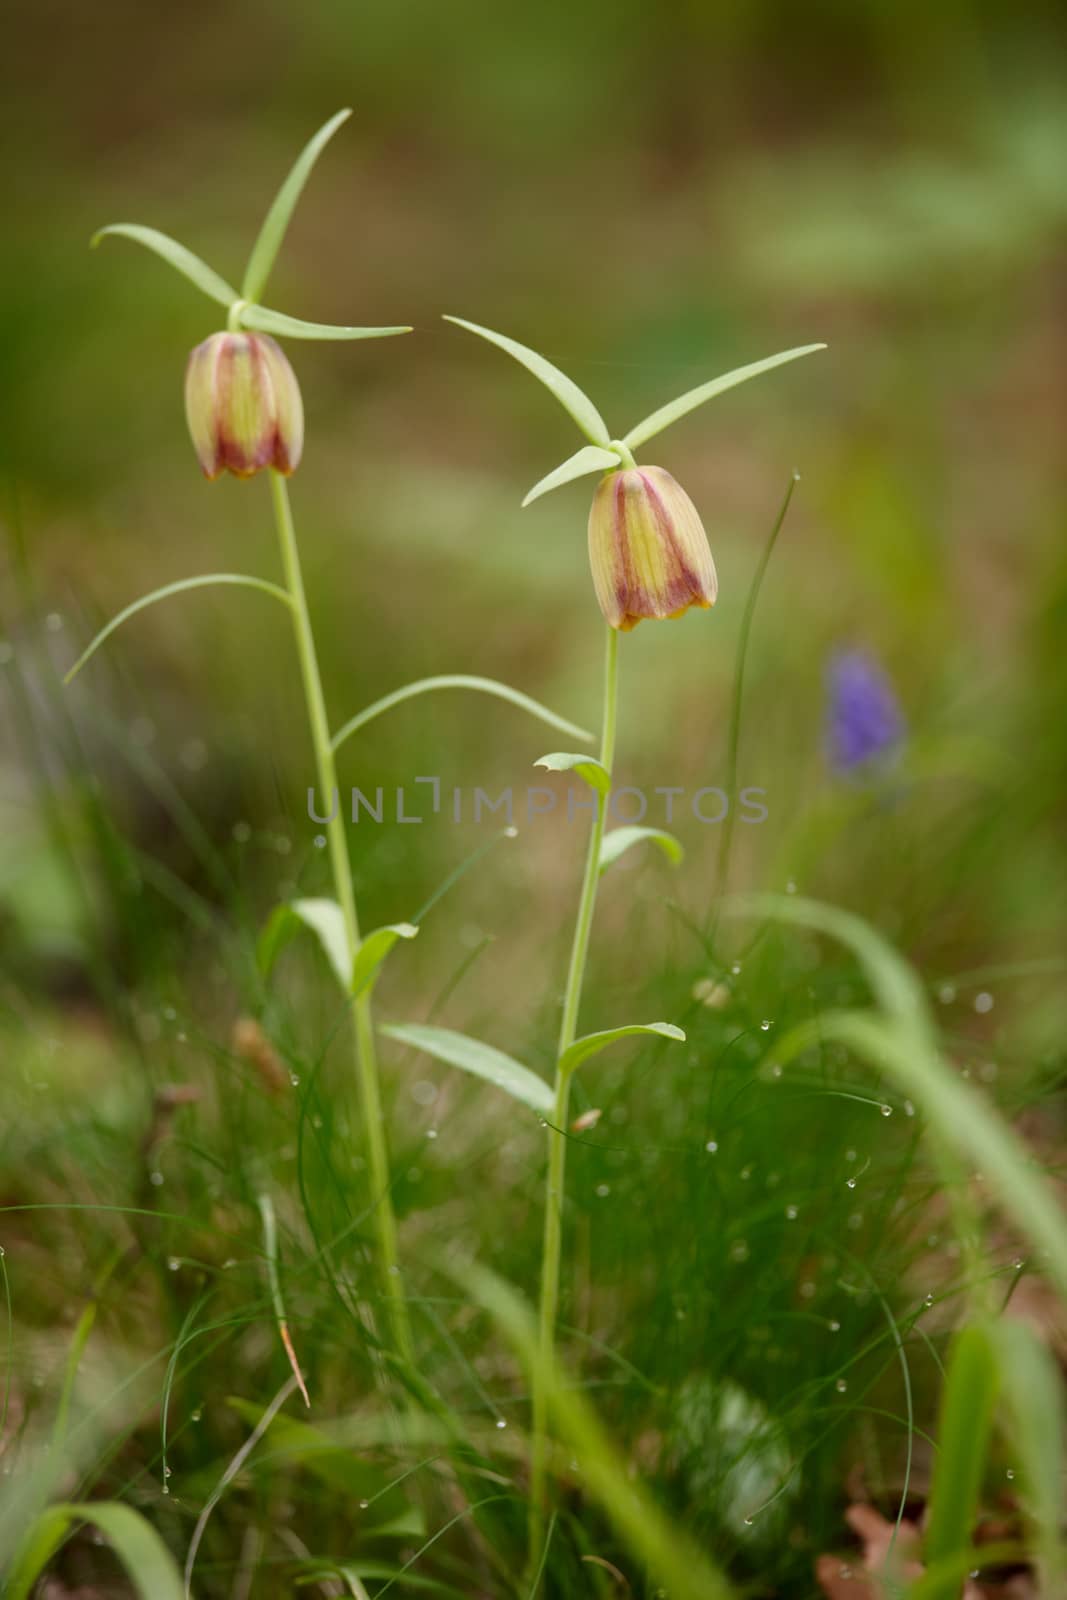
[(557, 1134), (366, 1055)]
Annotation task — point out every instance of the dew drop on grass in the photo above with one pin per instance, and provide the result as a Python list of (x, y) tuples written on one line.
[(1010, 1474), (850, 1183), (173, 1263), (841, 1385), (835, 1326), (155, 1178), (363, 1504), (500, 1422), (431, 1133), (909, 1109), (765, 1025), (319, 841), (423, 1092), (196, 1415), (712, 1146), (947, 993), (887, 1111), (736, 969), (791, 1213), (739, 1250), (983, 1002), (294, 1079), (745, 1174), (928, 1301), (603, 1190), (776, 1071)]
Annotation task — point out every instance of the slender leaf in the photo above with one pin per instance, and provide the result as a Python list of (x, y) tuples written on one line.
[(205, 278), (264, 320), (570, 397), (619, 840), (662, 1545), (471, 1055), (269, 241), (592, 772), (458, 680), (373, 951), (326, 920), (147, 1560), (168, 589), (592, 1043), (590, 458), (707, 391), (967, 1406), (1033, 1394)]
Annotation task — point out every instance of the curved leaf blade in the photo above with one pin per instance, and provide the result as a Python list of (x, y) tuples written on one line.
[(570, 397), (592, 1043), (968, 1402), (149, 1563), (206, 279), (590, 458), (707, 391), (264, 320), (591, 771), (458, 680), (324, 918), (619, 840), (481, 1060), (373, 951), (1036, 1424), (275, 223), (204, 581)]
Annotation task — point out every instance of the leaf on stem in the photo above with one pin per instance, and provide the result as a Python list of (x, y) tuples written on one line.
[(458, 680), (570, 397), (707, 391), (482, 1060), (206, 279), (326, 921), (373, 951), (592, 1043), (590, 458), (619, 840), (269, 241), (147, 1560), (591, 771), (168, 589), (264, 320)]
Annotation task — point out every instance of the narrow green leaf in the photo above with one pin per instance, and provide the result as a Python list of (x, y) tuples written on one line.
[(373, 951), (619, 840), (590, 458), (591, 771), (147, 1560), (268, 243), (1036, 1427), (458, 680), (570, 397), (593, 1043), (205, 278), (707, 391), (162, 594), (263, 320), (326, 920), (480, 1059), (967, 1404)]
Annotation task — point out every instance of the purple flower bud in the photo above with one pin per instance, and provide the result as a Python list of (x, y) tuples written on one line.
[(864, 719)]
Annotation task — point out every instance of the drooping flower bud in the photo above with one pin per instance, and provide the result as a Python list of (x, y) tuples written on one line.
[(647, 548), (243, 405)]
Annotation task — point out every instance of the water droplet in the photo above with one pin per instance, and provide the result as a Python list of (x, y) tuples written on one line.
[(1010, 1474), (747, 1521), (169, 1013), (844, 1572), (745, 1174), (776, 1071), (166, 1472), (739, 1250), (500, 1422), (363, 1504), (155, 1178), (947, 993), (541, 1123), (196, 1415), (53, 622), (983, 1002), (850, 1155), (834, 1326), (807, 1290), (712, 1146), (1018, 1263), (928, 1301), (603, 1190), (791, 1213), (841, 1385), (765, 1024), (887, 1111), (173, 1263), (909, 1109), (423, 1092), (850, 1183), (431, 1133), (319, 841), (294, 1079), (166, 1488)]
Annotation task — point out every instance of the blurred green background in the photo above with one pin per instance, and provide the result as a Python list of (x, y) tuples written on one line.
[(649, 195)]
